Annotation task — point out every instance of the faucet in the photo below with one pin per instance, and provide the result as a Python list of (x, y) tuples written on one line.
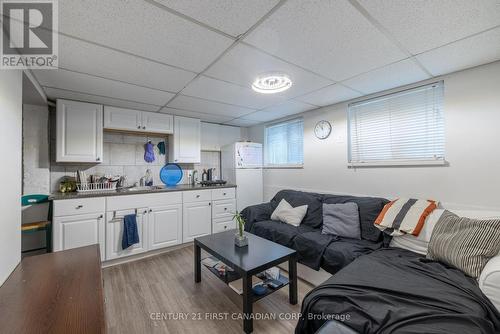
[(193, 179)]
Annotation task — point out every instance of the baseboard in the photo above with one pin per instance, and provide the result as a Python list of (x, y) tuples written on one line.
[(141, 256)]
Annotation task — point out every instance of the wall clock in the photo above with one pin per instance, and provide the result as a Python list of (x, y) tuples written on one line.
[(323, 129)]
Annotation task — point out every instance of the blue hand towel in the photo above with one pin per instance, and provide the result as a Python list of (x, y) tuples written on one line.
[(130, 233)]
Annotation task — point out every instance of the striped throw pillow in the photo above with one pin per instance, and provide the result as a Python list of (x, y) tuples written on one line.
[(464, 243), (405, 216)]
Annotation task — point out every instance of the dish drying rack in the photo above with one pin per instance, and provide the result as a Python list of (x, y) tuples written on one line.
[(88, 187)]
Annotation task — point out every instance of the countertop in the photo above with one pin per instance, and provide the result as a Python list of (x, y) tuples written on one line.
[(180, 187)]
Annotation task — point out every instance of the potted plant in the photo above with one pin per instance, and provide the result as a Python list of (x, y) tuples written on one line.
[(240, 239)]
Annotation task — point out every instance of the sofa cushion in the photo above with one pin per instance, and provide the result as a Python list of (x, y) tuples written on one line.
[(369, 209), (279, 232), (341, 219), (286, 213), (310, 247), (314, 215), (343, 251)]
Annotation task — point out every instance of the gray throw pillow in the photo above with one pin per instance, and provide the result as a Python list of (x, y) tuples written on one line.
[(465, 243), (341, 219)]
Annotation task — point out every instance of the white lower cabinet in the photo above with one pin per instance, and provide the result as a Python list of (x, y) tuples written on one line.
[(78, 231), (114, 233), (197, 220), (165, 226)]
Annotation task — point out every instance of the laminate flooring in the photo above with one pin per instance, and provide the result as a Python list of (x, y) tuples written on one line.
[(158, 295)]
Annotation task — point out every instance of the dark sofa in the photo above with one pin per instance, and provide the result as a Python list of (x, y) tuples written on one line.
[(314, 249)]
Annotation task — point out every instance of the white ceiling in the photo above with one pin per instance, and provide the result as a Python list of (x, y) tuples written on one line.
[(198, 58)]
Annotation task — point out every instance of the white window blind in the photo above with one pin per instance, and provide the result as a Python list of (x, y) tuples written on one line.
[(397, 129), (284, 144)]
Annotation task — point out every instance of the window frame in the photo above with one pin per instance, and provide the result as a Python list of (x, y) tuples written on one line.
[(267, 165), (399, 162)]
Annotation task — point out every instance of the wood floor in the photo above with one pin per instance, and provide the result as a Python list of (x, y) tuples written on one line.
[(150, 295)]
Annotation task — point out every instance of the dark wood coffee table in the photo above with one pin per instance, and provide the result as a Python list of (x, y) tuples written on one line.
[(259, 255)]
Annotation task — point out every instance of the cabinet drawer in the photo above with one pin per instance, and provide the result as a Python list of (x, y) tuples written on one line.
[(222, 209), (223, 193), (223, 225), (197, 196), (69, 207)]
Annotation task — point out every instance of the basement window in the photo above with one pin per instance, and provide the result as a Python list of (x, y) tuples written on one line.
[(403, 128), (284, 144)]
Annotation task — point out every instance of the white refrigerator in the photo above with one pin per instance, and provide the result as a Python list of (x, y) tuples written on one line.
[(241, 164)]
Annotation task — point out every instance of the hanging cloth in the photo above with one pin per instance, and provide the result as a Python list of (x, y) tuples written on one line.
[(149, 152)]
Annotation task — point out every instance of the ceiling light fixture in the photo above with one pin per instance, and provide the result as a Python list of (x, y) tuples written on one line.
[(272, 83)]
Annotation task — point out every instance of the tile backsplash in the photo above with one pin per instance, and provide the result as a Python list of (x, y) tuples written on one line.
[(124, 155)]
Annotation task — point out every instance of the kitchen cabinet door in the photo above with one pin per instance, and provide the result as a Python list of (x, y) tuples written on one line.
[(122, 119), (114, 233), (78, 231), (210, 136), (79, 132), (157, 123), (185, 146), (197, 220), (165, 226)]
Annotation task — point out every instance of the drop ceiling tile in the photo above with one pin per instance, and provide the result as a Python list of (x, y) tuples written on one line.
[(244, 63), (143, 29), (278, 111), (216, 90), (473, 51), (328, 37), (242, 122), (193, 114), (391, 76), (329, 95), (55, 93), (87, 84), (89, 58), (423, 25), (233, 17), (208, 107)]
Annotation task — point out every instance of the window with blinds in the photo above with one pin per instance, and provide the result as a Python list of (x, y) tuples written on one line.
[(284, 144), (404, 128)]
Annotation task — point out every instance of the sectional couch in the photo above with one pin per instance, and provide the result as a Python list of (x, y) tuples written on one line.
[(317, 250)]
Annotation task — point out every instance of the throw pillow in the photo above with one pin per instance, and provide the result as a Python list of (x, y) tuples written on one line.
[(405, 216), (464, 243), (285, 213), (342, 220)]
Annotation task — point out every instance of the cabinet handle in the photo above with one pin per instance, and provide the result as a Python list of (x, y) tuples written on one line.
[(197, 196), (225, 227), (145, 211), (144, 128), (98, 159), (79, 207), (100, 217), (224, 194), (150, 210), (225, 209), (209, 203), (138, 126)]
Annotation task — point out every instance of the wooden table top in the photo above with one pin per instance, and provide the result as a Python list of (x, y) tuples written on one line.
[(55, 293)]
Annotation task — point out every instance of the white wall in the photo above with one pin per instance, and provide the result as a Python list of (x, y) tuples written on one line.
[(10, 168), (472, 116)]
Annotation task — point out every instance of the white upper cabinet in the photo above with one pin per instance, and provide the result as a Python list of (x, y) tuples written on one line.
[(185, 146), (157, 123), (214, 136), (136, 120), (79, 132), (122, 119)]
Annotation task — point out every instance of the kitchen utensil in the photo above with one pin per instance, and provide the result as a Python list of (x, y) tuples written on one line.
[(171, 174)]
